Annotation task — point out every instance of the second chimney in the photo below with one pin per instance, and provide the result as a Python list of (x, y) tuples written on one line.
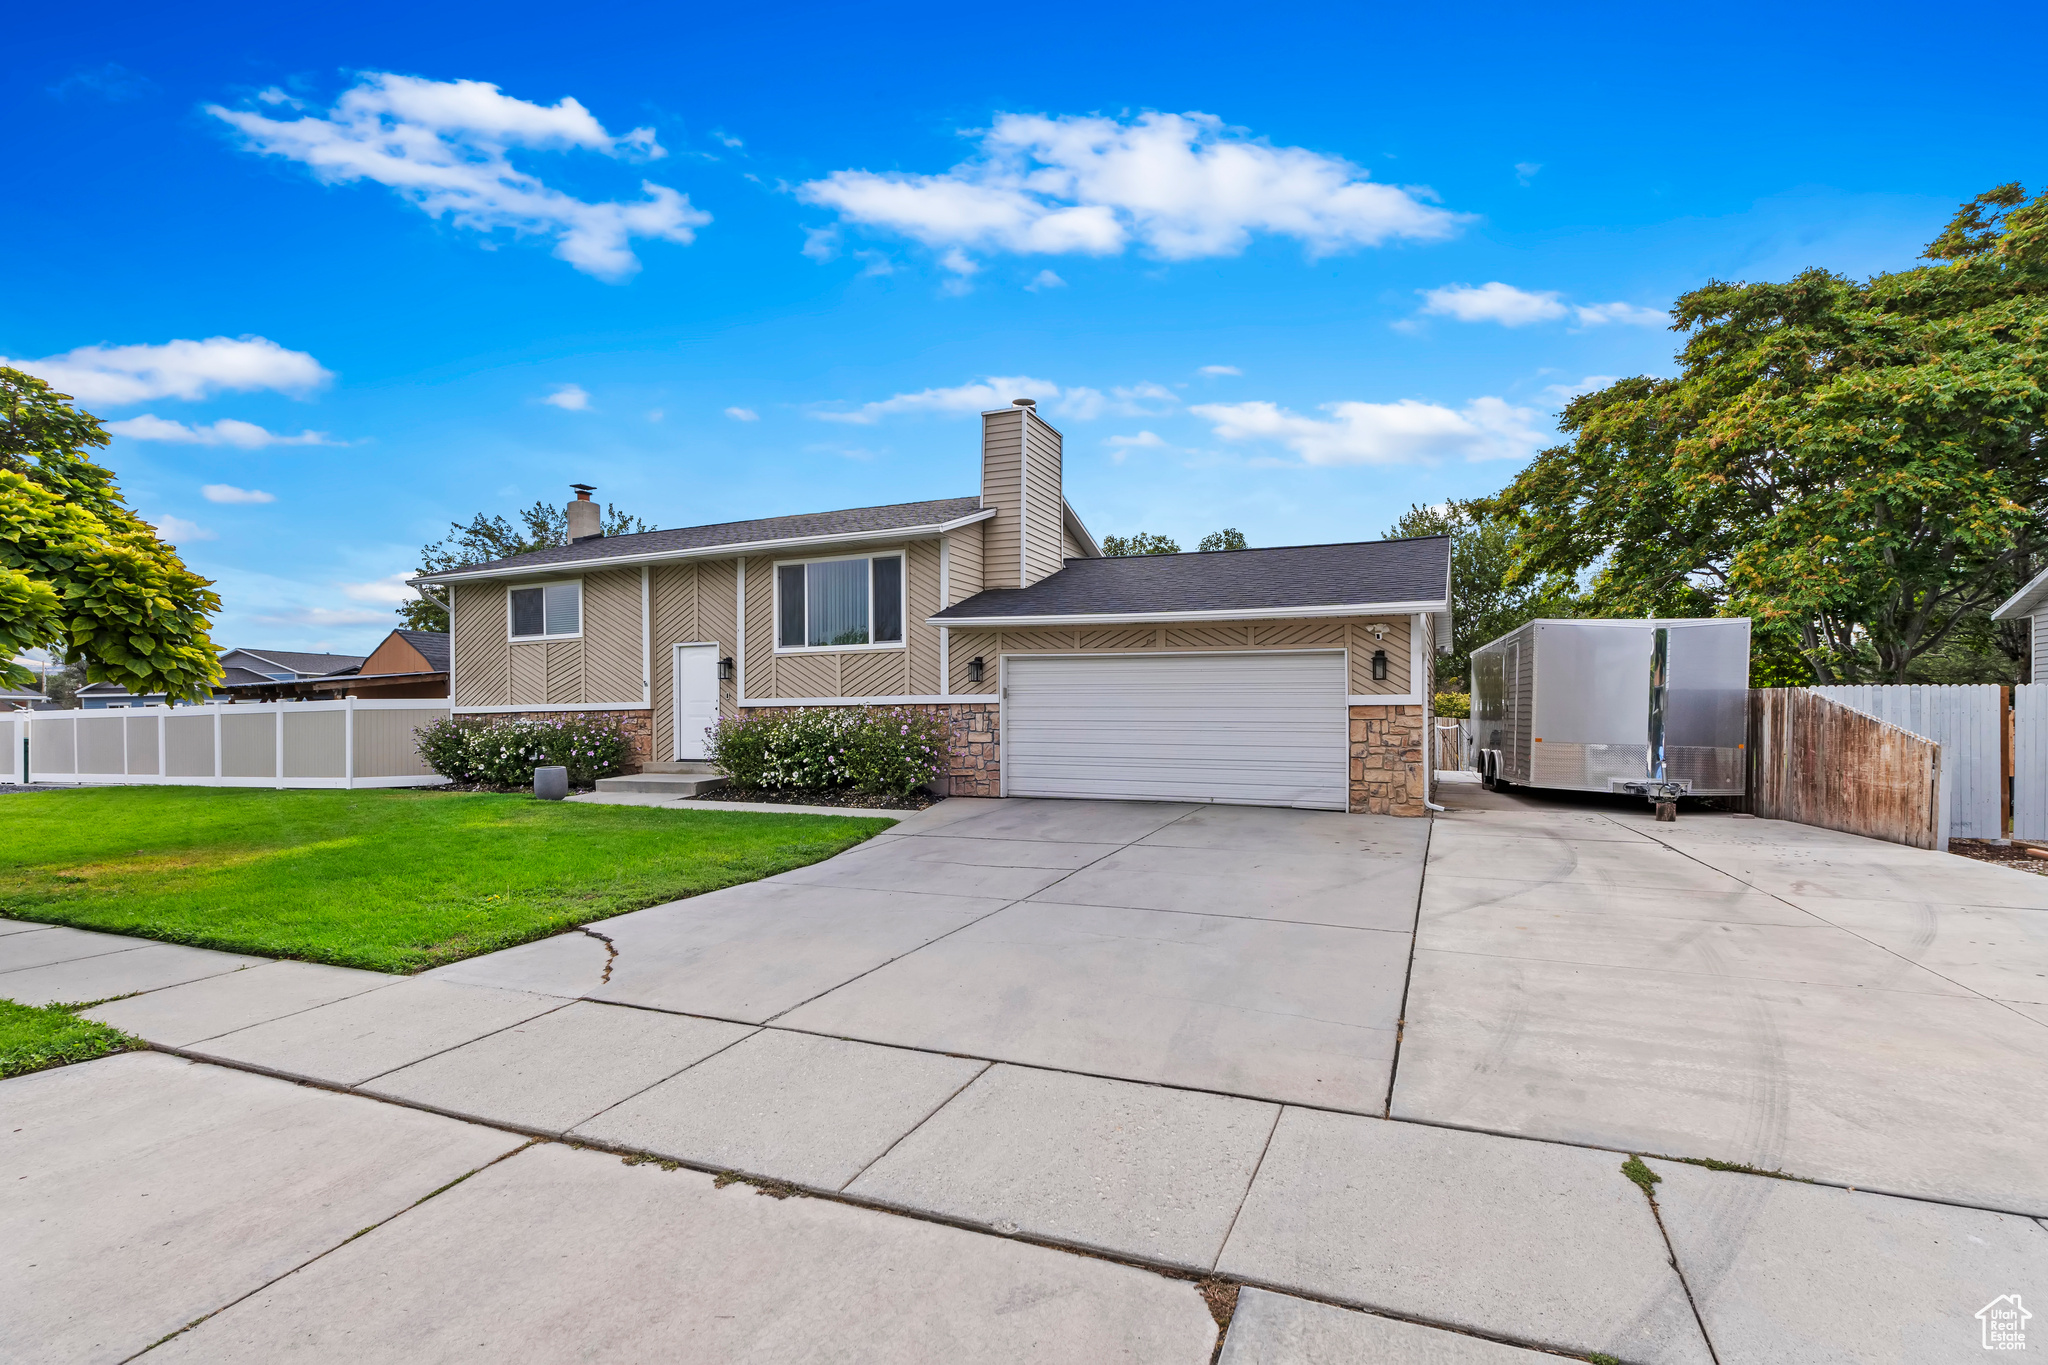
[(584, 522)]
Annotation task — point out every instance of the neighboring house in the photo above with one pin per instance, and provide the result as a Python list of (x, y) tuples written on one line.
[(407, 664), (1294, 676), (2030, 604), (240, 666), (24, 699)]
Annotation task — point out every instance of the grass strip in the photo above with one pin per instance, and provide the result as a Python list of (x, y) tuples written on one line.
[(391, 881), (33, 1037)]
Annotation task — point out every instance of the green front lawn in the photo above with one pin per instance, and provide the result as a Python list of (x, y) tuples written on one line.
[(395, 881), (32, 1038)]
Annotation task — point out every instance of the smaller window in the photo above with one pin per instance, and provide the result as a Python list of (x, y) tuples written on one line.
[(551, 610)]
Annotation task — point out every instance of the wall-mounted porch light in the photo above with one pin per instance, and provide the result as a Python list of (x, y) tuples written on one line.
[(725, 670), (974, 669), (1379, 665)]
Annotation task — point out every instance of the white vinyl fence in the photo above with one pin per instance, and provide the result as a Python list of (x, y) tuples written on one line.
[(1967, 722), (2030, 761), (346, 743)]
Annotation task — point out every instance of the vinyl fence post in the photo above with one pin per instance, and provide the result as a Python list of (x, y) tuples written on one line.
[(348, 743)]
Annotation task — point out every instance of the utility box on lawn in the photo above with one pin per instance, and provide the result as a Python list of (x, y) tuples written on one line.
[(1589, 705)]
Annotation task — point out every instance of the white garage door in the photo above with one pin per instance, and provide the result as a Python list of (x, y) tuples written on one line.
[(1251, 729)]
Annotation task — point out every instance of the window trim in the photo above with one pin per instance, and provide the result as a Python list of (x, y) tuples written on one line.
[(543, 584), (901, 553)]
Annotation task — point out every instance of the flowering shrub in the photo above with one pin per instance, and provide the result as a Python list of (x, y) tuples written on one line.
[(869, 748), (503, 751)]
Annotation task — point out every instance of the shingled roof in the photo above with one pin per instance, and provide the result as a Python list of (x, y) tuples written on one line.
[(1372, 575), (647, 545)]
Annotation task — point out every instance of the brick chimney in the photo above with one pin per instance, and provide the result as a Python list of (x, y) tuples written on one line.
[(584, 521)]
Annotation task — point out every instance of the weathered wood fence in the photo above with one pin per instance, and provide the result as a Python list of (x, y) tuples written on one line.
[(1968, 722), (1822, 763)]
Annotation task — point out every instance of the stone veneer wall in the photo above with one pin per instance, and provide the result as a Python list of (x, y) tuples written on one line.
[(638, 725), (1389, 771)]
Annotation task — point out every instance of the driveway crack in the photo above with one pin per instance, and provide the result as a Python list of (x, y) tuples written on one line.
[(611, 953)]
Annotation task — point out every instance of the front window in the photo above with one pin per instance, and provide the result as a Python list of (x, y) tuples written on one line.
[(549, 611), (839, 603)]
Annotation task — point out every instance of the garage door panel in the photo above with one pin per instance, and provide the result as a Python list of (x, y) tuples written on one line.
[(1252, 729)]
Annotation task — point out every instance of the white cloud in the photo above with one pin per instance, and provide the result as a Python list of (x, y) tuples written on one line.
[(975, 397), (1495, 302), (1045, 279), (325, 616), (177, 369), (1181, 186), (1080, 403), (1121, 446), (228, 493), (1525, 171), (1214, 371), (1597, 314), (1512, 307), (568, 397), (1564, 393), (225, 432), (1384, 433), (389, 589), (177, 530), (443, 146), (743, 414)]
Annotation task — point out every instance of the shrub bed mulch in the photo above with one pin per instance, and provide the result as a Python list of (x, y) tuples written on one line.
[(2004, 855), (830, 796)]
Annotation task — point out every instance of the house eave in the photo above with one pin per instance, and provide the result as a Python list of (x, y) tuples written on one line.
[(730, 550), (1139, 618)]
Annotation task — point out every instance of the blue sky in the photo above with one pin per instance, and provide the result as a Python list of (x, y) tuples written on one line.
[(1288, 270)]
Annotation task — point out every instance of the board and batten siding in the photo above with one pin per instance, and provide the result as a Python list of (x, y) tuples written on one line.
[(1349, 633), (1002, 488), (1044, 522), (601, 668)]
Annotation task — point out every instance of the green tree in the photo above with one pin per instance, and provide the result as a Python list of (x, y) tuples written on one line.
[(1859, 467), (486, 539), (1484, 604), (80, 574), (1142, 543), (1229, 538)]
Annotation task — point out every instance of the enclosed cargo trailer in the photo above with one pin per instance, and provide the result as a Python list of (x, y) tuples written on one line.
[(1600, 705)]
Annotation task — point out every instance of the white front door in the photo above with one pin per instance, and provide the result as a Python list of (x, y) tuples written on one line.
[(696, 700)]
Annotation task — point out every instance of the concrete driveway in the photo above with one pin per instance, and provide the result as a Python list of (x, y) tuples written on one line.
[(1747, 991), (1164, 1036)]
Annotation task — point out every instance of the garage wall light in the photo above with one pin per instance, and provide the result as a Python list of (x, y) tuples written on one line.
[(725, 670), (1379, 665), (974, 669)]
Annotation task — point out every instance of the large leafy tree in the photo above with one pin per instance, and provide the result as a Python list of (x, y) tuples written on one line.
[(1859, 466), (1141, 543), (1484, 604), (485, 538), (80, 574)]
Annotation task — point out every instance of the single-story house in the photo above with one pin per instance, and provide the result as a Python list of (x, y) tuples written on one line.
[(1297, 676), (2030, 604), (240, 667), (407, 663)]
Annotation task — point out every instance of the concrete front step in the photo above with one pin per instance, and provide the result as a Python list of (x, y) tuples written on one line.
[(693, 767), (665, 784)]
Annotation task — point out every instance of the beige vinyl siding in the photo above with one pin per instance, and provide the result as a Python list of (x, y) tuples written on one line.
[(1070, 548), (963, 563), (1346, 633), (921, 641), (601, 668), (612, 638), (1044, 523), (760, 679), (481, 653), (1002, 488)]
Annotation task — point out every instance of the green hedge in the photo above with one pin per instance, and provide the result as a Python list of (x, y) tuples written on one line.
[(503, 751)]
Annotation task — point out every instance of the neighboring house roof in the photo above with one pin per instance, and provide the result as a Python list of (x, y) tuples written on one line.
[(1292, 580), (295, 661), (432, 645), (2028, 600), (733, 536), (240, 676), (101, 689)]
